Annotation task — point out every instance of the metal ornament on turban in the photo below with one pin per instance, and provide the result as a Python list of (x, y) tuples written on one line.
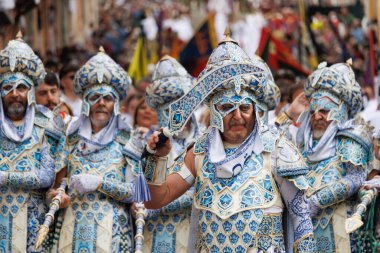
[(101, 77), (230, 75), (170, 82), (19, 65), (334, 89)]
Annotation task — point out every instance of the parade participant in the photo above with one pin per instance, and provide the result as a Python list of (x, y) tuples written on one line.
[(239, 177), (99, 167), (29, 143), (336, 145), (167, 229)]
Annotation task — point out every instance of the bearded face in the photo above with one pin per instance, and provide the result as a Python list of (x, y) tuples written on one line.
[(320, 111), (15, 100), (101, 109)]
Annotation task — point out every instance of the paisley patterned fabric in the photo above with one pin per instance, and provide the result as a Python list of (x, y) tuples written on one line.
[(29, 168), (102, 213), (340, 80), (17, 56), (101, 69)]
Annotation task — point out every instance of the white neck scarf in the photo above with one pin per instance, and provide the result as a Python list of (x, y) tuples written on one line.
[(326, 146), (89, 142), (9, 130), (227, 166)]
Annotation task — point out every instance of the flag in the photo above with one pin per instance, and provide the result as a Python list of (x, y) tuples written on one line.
[(308, 55), (194, 55), (277, 55), (138, 68)]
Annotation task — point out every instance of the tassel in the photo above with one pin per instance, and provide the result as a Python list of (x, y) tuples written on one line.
[(142, 193)]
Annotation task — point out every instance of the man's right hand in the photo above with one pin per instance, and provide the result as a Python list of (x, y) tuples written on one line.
[(373, 183), (161, 151), (65, 199)]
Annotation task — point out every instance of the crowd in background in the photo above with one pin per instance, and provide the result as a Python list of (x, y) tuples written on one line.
[(335, 35)]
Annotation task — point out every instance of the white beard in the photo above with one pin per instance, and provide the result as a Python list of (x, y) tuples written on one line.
[(317, 134)]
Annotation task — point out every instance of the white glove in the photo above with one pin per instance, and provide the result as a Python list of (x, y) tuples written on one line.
[(84, 183), (373, 183), (2, 178)]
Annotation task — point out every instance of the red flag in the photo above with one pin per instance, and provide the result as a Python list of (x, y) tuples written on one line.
[(277, 55)]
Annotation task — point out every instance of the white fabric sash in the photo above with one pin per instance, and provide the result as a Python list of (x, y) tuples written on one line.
[(326, 146), (89, 142), (230, 165)]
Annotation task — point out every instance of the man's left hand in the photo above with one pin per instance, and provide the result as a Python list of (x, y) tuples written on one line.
[(2, 178), (84, 183)]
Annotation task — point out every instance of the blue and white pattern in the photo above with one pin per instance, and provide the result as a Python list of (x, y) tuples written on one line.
[(17, 56), (242, 212), (91, 209), (166, 230), (170, 82), (249, 184), (338, 79), (101, 69), (231, 210), (240, 233), (229, 67), (325, 100), (332, 181), (27, 166)]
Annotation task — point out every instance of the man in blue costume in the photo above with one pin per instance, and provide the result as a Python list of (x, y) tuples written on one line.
[(29, 143), (240, 177), (99, 166), (336, 144), (167, 229)]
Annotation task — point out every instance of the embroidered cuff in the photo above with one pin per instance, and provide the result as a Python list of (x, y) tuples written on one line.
[(332, 194), (155, 170)]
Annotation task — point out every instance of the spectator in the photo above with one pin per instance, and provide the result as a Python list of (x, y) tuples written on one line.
[(66, 75), (144, 115), (47, 93), (128, 107)]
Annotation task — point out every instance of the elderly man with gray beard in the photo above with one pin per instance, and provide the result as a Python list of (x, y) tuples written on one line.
[(336, 144), (29, 142)]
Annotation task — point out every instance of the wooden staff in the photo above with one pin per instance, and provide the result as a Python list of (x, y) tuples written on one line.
[(49, 217)]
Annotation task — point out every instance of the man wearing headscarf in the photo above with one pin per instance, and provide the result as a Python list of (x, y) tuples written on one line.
[(167, 229), (239, 169), (29, 143), (336, 143), (100, 168)]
